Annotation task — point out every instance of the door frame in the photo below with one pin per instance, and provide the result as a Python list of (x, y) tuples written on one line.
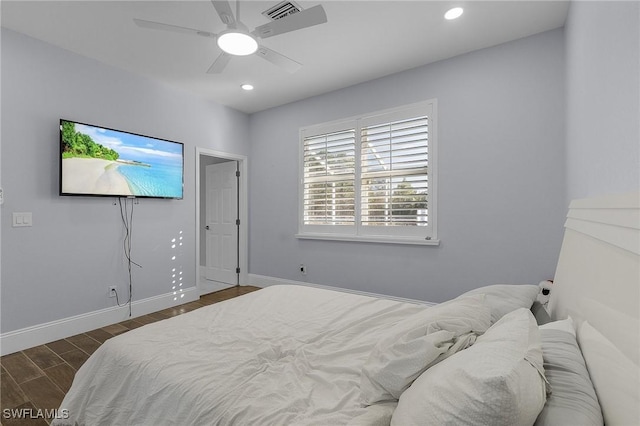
[(243, 242)]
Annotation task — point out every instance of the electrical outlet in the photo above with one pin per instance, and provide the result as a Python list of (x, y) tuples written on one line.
[(112, 291), (303, 269)]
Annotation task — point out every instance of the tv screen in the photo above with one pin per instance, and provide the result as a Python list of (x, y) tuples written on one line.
[(97, 161)]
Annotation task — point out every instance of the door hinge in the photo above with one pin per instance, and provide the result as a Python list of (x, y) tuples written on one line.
[(238, 222), (237, 173), (237, 270)]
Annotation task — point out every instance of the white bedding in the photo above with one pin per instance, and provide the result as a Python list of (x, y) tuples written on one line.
[(283, 355)]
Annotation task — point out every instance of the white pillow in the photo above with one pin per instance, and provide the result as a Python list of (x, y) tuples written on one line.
[(504, 298), (497, 381), (418, 342), (562, 325), (614, 375)]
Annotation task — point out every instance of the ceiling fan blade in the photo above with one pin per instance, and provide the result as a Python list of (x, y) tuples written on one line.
[(219, 64), (303, 19), (224, 11), (174, 28), (278, 59)]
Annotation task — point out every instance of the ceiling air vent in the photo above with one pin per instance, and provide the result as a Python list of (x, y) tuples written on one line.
[(282, 10)]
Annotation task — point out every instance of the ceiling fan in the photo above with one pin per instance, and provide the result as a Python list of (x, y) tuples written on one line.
[(236, 40)]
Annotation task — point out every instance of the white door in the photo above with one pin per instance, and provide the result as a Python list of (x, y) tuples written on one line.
[(221, 226)]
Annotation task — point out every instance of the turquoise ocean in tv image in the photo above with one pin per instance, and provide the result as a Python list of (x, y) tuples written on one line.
[(161, 179)]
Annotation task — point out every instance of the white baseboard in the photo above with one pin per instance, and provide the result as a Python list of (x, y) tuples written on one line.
[(264, 281), (40, 334)]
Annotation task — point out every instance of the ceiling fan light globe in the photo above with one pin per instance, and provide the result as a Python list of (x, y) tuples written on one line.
[(237, 43), (454, 13)]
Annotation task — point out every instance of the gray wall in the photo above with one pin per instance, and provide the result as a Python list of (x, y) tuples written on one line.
[(63, 265), (603, 97), (501, 194)]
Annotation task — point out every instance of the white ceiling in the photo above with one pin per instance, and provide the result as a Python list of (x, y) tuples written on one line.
[(361, 41)]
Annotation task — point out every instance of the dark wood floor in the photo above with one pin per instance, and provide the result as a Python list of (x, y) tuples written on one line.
[(38, 378)]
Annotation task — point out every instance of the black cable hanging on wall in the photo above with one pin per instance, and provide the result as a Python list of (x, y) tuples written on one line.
[(127, 221)]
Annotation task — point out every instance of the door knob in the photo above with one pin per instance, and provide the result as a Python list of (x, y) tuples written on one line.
[(206, 227)]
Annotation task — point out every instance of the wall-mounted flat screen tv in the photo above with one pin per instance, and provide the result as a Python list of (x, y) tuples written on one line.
[(97, 161)]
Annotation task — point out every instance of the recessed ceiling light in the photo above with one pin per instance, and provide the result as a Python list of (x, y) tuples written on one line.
[(247, 87), (453, 13)]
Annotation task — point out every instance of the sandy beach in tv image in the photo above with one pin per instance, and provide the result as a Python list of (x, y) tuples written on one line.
[(97, 161), (93, 176)]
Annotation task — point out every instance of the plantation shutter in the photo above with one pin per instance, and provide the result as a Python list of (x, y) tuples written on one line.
[(394, 172), (371, 177), (329, 178)]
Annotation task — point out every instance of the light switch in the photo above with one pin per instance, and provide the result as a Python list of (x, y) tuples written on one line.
[(22, 219)]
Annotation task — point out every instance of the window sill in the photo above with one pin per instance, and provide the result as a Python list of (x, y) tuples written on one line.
[(369, 239)]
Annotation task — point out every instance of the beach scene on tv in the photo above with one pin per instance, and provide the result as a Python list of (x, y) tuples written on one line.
[(97, 161)]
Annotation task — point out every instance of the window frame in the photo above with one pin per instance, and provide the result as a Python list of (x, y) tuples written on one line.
[(415, 235)]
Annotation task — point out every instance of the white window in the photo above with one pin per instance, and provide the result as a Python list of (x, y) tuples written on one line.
[(371, 178)]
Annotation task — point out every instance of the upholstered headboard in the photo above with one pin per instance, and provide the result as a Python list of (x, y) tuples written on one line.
[(597, 283)]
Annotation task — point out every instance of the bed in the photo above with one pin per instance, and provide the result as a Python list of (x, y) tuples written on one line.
[(293, 355)]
